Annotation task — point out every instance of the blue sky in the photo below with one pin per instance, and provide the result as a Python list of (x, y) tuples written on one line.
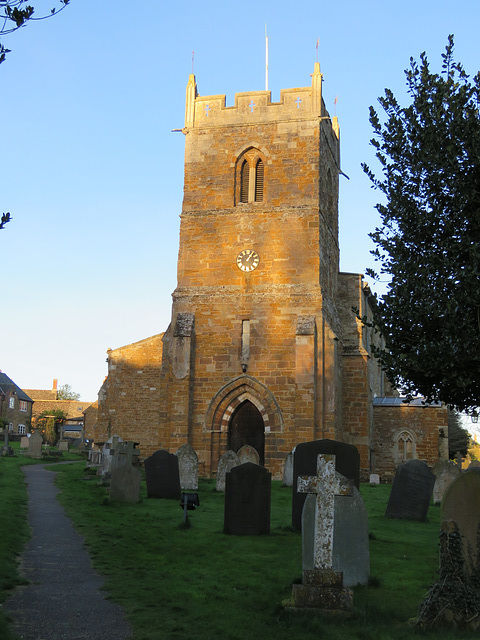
[(93, 175)]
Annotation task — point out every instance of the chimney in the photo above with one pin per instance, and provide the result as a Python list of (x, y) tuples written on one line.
[(55, 383)]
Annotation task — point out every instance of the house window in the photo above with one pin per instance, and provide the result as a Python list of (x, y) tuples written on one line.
[(21, 429), (23, 405), (11, 403), (10, 426), (251, 176)]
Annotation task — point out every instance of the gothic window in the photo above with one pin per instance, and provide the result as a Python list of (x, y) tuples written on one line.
[(251, 177), (404, 446)]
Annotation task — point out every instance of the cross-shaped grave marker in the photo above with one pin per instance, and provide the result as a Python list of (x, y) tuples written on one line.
[(326, 485)]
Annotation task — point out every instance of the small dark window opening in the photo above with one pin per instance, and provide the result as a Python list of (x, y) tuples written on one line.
[(245, 181), (259, 181)]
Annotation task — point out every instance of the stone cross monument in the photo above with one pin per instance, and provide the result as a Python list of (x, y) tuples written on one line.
[(326, 485), (322, 588)]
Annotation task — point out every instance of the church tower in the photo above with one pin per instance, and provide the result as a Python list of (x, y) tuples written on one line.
[(251, 354)]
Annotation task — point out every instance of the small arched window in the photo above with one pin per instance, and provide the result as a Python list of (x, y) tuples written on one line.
[(252, 177), (404, 446)]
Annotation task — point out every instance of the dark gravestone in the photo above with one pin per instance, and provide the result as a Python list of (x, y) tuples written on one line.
[(411, 492), (162, 475), (125, 484), (347, 462), (247, 500)]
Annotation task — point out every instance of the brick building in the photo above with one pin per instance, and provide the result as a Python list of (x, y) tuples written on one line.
[(263, 347)]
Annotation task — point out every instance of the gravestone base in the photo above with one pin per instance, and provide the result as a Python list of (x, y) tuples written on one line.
[(322, 591)]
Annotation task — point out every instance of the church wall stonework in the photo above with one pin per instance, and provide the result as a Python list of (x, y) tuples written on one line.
[(128, 403), (426, 426)]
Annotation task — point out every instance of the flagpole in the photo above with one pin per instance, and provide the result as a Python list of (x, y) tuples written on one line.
[(266, 59)]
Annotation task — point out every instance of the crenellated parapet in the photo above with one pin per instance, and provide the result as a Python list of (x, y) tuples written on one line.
[(295, 104)]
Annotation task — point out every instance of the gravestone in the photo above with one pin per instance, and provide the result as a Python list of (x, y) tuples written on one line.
[(454, 600), (187, 467), (411, 492), (374, 478), (347, 461), (24, 442), (247, 500), (125, 484), (225, 464), (322, 586), (351, 554), (461, 505), (108, 450), (35, 445), (248, 454), (162, 475), (63, 445), (288, 471), (445, 473)]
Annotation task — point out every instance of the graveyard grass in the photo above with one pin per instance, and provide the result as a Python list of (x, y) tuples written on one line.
[(199, 583)]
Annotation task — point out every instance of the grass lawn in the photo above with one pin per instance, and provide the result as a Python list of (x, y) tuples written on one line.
[(199, 583)]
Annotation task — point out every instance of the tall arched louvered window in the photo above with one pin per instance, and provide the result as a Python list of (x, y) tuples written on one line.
[(252, 177), (259, 181), (245, 181)]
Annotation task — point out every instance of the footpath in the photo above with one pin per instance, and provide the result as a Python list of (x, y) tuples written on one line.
[(63, 600)]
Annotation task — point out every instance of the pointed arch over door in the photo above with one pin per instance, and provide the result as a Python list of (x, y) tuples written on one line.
[(224, 406)]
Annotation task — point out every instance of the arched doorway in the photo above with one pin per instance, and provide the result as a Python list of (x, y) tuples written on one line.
[(247, 427)]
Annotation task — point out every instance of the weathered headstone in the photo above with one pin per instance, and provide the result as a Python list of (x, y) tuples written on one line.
[(445, 473), (225, 464), (411, 492), (461, 505), (162, 475), (125, 484), (288, 471), (454, 600), (347, 463), (248, 454), (374, 478), (351, 554), (322, 586), (35, 445), (63, 445), (24, 442), (108, 450), (188, 467), (247, 500)]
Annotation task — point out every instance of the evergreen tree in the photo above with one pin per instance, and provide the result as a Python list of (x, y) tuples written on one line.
[(429, 239)]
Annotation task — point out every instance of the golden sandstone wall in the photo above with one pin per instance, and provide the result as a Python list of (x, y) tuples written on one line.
[(128, 403), (414, 429)]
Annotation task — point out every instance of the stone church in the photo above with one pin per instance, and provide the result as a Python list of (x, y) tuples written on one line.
[(263, 346)]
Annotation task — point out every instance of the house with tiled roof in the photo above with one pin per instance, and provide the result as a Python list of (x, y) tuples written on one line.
[(47, 400), (15, 406)]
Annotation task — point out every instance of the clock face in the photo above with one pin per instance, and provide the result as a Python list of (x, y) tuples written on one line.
[(248, 260)]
